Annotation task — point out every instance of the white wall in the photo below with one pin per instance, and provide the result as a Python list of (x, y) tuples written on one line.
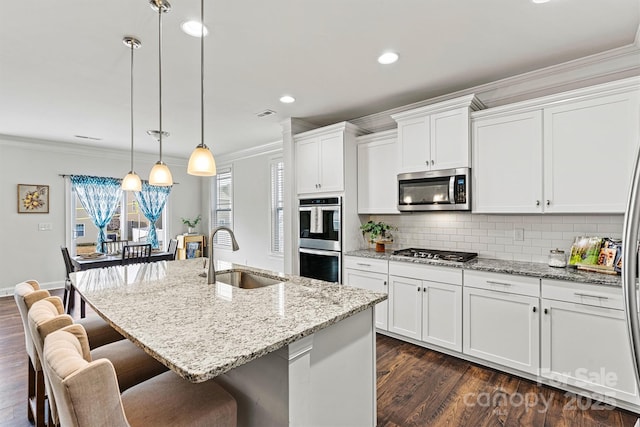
[(252, 210), (26, 252), (492, 236)]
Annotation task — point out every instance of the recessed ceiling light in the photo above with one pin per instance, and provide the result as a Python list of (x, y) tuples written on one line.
[(287, 99), (388, 58), (540, 1), (193, 28)]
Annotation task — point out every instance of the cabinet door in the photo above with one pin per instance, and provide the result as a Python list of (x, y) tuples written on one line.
[(307, 174), (589, 149), (442, 315), (450, 139), (376, 282), (507, 163), (405, 306), (413, 144), (377, 177), (331, 163), (502, 328), (588, 347)]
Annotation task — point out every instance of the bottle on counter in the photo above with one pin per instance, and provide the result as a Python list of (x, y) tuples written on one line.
[(557, 258)]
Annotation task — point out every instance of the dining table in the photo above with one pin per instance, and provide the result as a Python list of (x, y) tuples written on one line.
[(87, 262)]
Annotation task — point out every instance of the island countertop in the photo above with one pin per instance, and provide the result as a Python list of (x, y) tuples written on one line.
[(201, 331)]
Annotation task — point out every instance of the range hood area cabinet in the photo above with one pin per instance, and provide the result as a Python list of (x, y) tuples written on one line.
[(377, 173), (567, 153), (436, 136)]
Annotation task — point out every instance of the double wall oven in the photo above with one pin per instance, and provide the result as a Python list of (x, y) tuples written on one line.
[(320, 239)]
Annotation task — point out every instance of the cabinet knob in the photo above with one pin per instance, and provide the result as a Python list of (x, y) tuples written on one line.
[(419, 289), (319, 185), (546, 311), (537, 202), (385, 283), (548, 202), (433, 162), (534, 309), (424, 289), (426, 162)]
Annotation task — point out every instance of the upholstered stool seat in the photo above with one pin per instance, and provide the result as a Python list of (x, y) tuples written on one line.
[(132, 365), (87, 392), (99, 332)]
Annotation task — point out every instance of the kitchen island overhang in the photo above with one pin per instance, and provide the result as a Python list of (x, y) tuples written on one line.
[(299, 352)]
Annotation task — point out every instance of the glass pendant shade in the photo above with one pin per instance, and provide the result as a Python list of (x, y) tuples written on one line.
[(201, 162), (132, 182), (160, 175)]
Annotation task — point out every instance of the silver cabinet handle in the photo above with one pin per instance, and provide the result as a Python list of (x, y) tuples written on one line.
[(491, 282), (537, 202), (578, 294), (548, 202), (363, 264)]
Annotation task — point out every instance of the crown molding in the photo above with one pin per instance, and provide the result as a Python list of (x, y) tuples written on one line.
[(260, 150), (599, 68)]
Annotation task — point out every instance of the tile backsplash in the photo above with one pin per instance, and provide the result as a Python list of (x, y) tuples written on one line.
[(497, 236)]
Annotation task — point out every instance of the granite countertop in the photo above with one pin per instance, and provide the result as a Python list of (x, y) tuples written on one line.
[(531, 269), (201, 330)]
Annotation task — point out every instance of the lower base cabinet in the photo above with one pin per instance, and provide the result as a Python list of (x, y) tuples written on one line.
[(370, 274), (585, 342), (499, 326)]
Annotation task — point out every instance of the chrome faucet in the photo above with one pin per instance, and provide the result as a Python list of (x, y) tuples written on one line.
[(234, 245)]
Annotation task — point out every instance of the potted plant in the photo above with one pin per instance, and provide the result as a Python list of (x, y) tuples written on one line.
[(378, 233), (191, 223)]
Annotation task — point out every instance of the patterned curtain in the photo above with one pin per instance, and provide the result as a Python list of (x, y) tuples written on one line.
[(152, 199), (99, 197)]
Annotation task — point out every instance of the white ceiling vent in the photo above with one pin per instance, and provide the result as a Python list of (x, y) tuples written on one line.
[(266, 113)]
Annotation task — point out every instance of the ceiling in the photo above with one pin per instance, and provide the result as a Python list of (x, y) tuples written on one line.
[(64, 70)]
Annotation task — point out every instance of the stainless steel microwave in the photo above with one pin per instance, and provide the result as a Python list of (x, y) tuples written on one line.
[(440, 190)]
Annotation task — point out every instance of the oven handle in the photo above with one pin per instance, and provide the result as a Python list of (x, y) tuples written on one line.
[(317, 252), (452, 196)]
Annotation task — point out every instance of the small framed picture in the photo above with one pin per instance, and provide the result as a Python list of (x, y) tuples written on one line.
[(33, 198)]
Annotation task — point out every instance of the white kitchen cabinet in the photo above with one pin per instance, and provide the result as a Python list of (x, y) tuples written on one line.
[(507, 163), (426, 310), (501, 319), (566, 153), (589, 149), (584, 340), (377, 173), (369, 274), (435, 136), (319, 163)]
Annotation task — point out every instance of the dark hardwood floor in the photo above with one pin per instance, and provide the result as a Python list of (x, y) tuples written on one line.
[(416, 387)]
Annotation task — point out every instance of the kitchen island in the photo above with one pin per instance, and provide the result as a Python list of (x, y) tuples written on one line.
[(298, 352)]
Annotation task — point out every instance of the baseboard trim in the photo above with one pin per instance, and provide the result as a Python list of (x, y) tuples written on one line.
[(48, 286)]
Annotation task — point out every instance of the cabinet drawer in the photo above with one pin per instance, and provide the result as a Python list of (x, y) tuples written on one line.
[(432, 273), (367, 264), (513, 284), (583, 293)]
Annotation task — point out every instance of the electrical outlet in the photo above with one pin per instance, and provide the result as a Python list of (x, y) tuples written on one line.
[(45, 226), (518, 234)]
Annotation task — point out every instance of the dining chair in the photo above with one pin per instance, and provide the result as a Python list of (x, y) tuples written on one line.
[(114, 247), (69, 296), (173, 248), (137, 253), (87, 392), (132, 364), (25, 295)]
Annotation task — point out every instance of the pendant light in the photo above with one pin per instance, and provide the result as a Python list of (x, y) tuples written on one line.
[(201, 161), (160, 173), (131, 182)]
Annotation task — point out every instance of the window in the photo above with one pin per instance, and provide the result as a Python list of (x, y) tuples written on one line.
[(222, 209), (277, 206)]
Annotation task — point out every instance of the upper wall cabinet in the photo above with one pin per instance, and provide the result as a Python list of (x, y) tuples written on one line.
[(435, 136), (377, 173), (566, 153)]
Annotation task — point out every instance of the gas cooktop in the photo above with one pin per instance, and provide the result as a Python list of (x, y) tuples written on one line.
[(436, 254)]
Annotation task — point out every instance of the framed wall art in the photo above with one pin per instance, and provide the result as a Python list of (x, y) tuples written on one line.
[(33, 198)]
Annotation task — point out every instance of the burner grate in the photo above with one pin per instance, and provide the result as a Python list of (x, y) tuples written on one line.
[(436, 254)]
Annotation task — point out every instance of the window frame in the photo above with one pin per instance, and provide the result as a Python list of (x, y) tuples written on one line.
[(274, 227), (222, 240)]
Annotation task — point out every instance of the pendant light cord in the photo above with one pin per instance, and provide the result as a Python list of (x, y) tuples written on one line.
[(202, 73), (159, 2), (131, 93)]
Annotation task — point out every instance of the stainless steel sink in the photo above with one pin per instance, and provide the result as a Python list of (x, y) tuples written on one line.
[(246, 280)]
